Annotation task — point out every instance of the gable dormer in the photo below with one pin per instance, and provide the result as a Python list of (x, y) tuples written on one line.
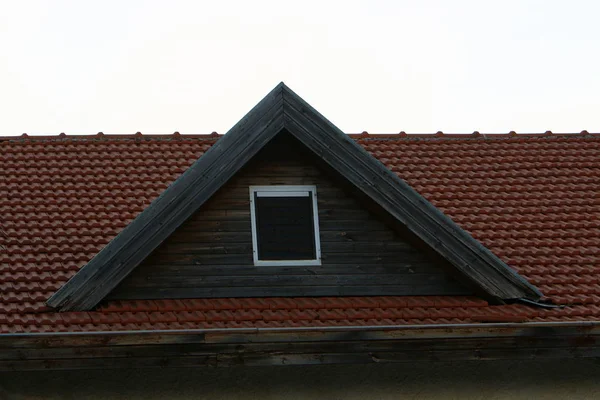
[(389, 200), (283, 226)]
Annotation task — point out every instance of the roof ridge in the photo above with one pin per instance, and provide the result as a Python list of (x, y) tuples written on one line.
[(474, 135), (362, 135), (112, 136)]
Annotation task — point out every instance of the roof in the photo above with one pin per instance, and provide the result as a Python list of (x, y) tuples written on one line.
[(283, 113), (533, 200)]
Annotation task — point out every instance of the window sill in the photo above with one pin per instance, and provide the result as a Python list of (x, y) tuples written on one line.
[(264, 263)]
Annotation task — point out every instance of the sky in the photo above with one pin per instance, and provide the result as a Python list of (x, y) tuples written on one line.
[(82, 67)]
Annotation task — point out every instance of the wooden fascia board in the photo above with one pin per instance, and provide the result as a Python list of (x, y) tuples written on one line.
[(283, 109), (439, 232), (285, 346), (177, 203)]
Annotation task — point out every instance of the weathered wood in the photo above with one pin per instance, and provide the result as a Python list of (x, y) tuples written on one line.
[(158, 270), (282, 359), (575, 332), (246, 280), (282, 111), (183, 197), (238, 225), (402, 202), (342, 236), (243, 224), (358, 251), (179, 292), (298, 346), (224, 214), (390, 248), (352, 257), (239, 198), (340, 347)]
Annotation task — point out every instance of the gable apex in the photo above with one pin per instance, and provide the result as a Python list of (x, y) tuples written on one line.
[(283, 110)]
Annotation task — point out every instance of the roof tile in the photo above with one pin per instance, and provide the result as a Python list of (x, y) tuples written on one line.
[(534, 200)]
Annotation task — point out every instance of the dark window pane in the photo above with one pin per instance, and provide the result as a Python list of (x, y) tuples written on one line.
[(285, 229)]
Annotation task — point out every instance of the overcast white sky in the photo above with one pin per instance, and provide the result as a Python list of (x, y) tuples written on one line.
[(82, 67)]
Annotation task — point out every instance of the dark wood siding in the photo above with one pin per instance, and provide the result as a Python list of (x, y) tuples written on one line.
[(210, 255)]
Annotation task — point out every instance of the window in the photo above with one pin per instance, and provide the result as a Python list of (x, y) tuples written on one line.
[(285, 225)]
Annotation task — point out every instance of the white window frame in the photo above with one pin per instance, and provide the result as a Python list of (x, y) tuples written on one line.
[(285, 191)]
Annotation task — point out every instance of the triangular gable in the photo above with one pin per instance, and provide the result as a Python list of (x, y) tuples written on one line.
[(283, 110), (212, 253)]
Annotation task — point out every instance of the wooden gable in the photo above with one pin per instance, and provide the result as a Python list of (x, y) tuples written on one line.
[(283, 112), (210, 255)]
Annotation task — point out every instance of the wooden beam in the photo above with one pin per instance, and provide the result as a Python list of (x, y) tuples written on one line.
[(298, 346)]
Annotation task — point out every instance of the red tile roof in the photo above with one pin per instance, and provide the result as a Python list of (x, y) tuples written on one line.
[(534, 200)]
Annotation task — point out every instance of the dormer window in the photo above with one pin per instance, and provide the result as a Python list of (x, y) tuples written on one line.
[(285, 225)]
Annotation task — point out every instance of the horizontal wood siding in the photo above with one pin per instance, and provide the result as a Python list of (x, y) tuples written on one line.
[(210, 255), (76, 350)]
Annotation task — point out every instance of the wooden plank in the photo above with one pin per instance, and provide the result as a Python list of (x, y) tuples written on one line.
[(576, 333), (206, 236), (240, 259), (372, 258), (307, 347), (282, 359), (237, 225), (393, 248), (190, 281), (339, 347), (225, 214), (213, 259), (288, 291), (239, 191), (398, 267), (239, 204), (342, 236), (175, 249)]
